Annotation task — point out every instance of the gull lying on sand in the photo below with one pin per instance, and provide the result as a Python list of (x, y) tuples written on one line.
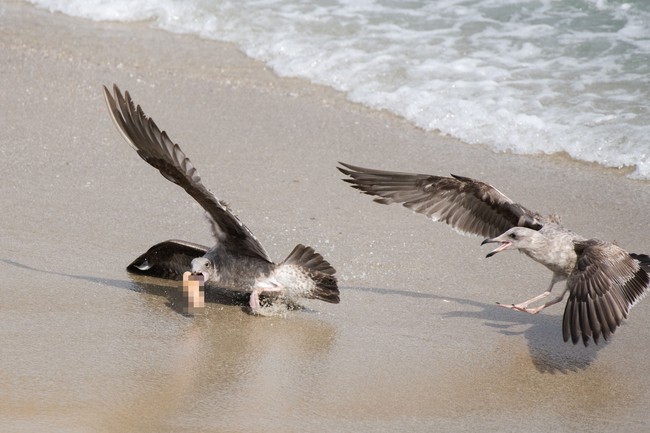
[(603, 280), (237, 262)]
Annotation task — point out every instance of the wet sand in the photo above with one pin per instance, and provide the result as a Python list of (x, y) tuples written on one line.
[(417, 343)]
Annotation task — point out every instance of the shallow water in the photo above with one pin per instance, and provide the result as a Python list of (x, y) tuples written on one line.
[(528, 76), (417, 342)]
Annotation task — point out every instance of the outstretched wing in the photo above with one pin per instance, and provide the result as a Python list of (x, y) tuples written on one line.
[(467, 205), (159, 151), (605, 284), (168, 259)]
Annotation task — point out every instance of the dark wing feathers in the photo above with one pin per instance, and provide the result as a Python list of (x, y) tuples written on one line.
[(467, 205), (168, 259), (158, 150), (605, 284)]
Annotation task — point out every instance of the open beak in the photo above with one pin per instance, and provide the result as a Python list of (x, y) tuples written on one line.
[(199, 270), (504, 246), (201, 276)]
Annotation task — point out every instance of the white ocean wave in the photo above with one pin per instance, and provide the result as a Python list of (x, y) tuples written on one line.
[(527, 77)]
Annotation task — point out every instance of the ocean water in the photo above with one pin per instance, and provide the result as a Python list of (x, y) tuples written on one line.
[(530, 76)]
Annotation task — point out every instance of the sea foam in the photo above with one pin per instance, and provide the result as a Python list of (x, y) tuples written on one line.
[(526, 77)]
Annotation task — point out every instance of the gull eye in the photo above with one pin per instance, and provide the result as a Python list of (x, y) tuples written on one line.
[(512, 236)]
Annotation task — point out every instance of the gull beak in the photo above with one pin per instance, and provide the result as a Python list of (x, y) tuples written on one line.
[(504, 246), (196, 276), (200, 276)]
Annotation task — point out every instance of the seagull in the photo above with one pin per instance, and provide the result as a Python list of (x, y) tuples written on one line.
[(603, 280), (237, 262)]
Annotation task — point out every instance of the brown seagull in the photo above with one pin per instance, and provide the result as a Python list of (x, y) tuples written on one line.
[(237, 262), (603, 280)]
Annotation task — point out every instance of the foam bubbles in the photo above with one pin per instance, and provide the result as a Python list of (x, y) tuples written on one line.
[(525, 77)]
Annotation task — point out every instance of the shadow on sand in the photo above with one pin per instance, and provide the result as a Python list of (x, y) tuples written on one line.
[(548, 352), (170, 289)]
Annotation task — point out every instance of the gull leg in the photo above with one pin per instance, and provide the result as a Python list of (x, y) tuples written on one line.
[(254, 301), (523, 306), (258, 289), (541, 307)]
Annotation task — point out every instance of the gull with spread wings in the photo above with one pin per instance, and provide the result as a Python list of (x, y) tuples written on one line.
[(603, 280), (237, 262)]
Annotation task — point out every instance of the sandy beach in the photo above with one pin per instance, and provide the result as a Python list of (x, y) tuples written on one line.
[(417, 343)]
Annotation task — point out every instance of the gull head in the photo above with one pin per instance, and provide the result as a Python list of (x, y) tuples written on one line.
[(205, 267), (520, 238)]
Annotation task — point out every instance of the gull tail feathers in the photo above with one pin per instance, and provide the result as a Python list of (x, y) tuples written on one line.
[(319, 271)]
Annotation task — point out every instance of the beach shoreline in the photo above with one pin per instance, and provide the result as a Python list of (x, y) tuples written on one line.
[(417, 342)]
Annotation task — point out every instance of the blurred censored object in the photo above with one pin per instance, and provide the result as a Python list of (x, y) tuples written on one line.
[(193, 293)]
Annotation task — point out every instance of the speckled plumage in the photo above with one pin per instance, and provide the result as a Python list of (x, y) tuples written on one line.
[(237, 262), (603, 280)]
